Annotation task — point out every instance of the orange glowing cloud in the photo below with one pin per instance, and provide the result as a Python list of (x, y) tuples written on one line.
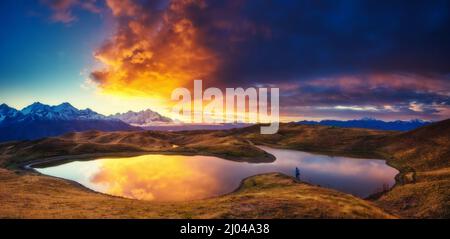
[(153, 51)]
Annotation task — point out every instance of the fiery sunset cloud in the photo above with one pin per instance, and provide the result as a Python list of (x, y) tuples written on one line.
[(153, 50), (330, 59)]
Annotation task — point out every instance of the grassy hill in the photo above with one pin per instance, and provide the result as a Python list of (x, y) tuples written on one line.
[(215, 143), (263, 196), (426, 148), (321, 139), (423, 156)]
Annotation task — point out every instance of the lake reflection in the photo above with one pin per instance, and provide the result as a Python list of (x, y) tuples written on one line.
[(181, 178)]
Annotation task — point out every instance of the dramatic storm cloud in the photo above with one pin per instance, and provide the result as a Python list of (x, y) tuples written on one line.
[(156, 48), (335, 59)]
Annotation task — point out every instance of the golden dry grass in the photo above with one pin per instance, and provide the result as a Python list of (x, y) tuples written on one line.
[(428, 196), (214, 143), (421, 155), (26, 195)]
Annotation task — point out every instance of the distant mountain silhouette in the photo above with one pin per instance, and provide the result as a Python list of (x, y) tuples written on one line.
[(39, 120), (370, 123), (188, 127)]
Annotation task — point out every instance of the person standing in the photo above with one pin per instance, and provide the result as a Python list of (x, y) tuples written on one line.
[(297, 173)]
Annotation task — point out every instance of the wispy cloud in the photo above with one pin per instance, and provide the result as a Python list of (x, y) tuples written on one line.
[(62, 10)]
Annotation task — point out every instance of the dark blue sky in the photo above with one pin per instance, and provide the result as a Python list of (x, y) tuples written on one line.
[(42, 60), (331, 59)]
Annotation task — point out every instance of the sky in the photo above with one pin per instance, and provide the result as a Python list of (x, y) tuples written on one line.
[(331, 59)]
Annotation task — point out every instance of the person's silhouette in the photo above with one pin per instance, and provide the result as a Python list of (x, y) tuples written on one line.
[(297, 173)]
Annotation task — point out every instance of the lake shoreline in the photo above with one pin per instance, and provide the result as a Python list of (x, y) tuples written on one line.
[(285, 161), (418, 155), (267, 194), (29, 167), (58, 160)]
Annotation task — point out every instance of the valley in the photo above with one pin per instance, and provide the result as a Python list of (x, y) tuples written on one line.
[(420, 155)]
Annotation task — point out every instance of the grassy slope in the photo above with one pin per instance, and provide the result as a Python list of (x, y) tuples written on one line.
[(422, 156), (214, 143), (322, 139), (263, 196), (427, 197), (426, 148)]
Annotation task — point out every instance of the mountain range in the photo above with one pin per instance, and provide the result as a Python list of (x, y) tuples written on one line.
[(40, 120), (39, 111), (370, 123)]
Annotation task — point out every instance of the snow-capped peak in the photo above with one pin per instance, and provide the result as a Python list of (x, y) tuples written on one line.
[(64, 111), (64, 107), (6, 108), (35, 108), (7, 112), (368, 119), (141, 118)]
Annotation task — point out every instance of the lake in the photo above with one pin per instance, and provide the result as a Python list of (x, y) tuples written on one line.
[(181, 178)]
